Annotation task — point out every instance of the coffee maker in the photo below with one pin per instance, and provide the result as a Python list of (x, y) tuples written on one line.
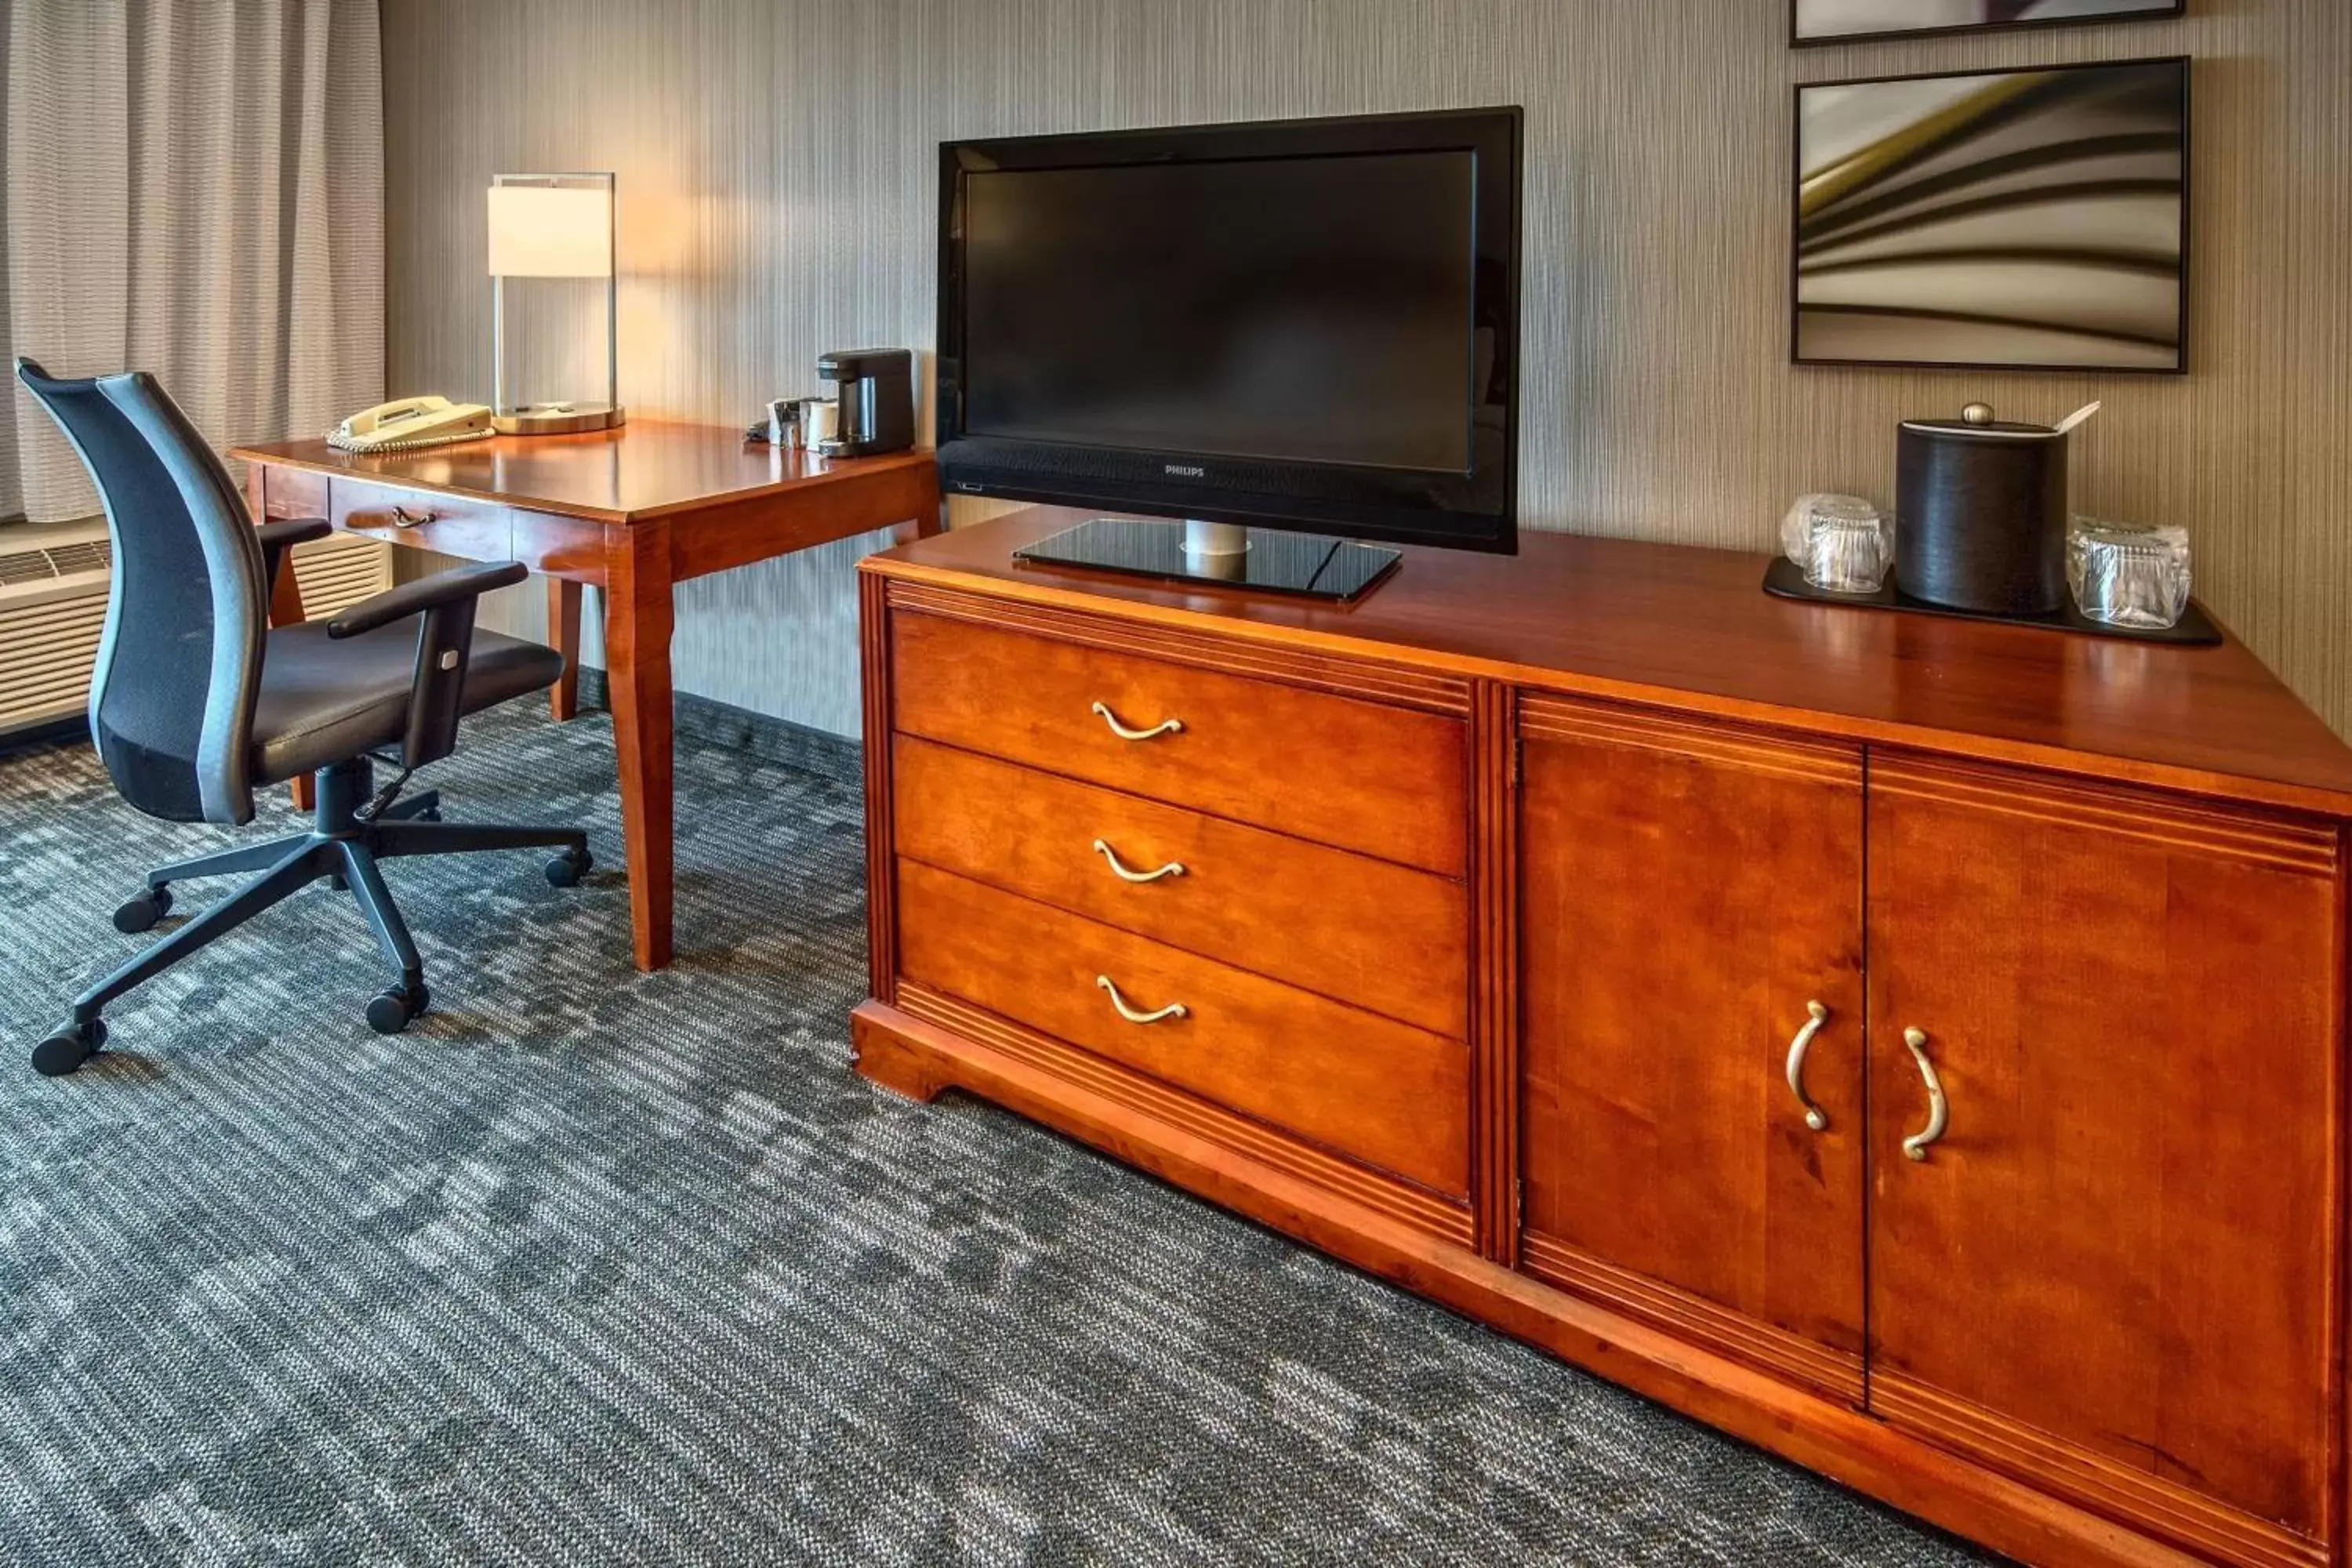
[(876, 396)]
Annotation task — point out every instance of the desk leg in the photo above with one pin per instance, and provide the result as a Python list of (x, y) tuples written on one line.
[(564, 636), (285, 606), (637, 621)]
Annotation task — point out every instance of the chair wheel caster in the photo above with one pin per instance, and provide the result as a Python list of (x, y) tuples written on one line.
[(142, 912), (393, 1010), (566, 868), (71, 1046)]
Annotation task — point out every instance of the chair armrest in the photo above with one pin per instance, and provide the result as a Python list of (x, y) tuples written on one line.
[(426, 594), (282, 535), (285, 532), (444, 606)]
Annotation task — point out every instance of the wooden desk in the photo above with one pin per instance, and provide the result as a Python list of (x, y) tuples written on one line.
[(632, 512)]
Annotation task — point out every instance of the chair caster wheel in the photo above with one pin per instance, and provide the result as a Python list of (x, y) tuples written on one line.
[(142, 912), (71, 1046), (393, 1010), (566, 868)]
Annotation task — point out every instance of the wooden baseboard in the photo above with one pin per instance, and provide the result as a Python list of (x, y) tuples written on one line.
[(910, 1057), (1836, 1374), (2094, 1480), (765, 736), (70, 731)]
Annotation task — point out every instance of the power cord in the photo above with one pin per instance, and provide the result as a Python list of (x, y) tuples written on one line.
[(383, 798)]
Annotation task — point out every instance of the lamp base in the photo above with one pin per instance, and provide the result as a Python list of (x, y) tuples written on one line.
[(558, 418)]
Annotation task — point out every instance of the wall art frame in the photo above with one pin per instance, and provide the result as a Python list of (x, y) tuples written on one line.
[(2138, 295), (2127, 11)]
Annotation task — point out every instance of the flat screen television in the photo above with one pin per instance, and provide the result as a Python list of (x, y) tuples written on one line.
[(1307, 325)]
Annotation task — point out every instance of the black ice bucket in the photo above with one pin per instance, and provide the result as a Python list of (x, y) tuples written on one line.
[(1980, 515)]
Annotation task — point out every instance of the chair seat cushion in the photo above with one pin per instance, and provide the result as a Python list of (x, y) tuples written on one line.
[(323, 701)]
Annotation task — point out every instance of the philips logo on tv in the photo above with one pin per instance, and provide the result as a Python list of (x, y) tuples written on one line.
[(1183, 472)]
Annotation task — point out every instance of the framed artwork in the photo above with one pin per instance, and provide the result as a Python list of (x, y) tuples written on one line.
[(1994, 219), (1851, 21)]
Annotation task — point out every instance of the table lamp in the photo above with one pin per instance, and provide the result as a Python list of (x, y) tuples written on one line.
[(551, 226)]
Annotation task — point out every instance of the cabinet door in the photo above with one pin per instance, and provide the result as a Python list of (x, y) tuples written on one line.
[(1688, 893), (2112, 1270)]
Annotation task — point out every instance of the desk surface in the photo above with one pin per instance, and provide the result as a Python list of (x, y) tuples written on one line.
[(647, 468), (1617, 618)]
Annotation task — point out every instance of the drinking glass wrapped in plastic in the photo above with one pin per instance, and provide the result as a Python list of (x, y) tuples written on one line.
[(2128, 574), (1843, 542)]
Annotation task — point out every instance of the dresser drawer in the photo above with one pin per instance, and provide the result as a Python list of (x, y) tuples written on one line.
[(1362, 775), (1390, 1095), (476, 530), (1383, 937)]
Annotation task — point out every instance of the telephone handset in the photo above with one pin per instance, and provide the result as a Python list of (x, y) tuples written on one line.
[(407, 422)]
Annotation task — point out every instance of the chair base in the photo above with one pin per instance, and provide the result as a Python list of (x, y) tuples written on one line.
[(342, 847)]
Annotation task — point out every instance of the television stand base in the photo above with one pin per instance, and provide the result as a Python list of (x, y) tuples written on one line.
[(1267, 560)]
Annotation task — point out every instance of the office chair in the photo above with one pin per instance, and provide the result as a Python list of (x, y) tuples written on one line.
[(195, 701)]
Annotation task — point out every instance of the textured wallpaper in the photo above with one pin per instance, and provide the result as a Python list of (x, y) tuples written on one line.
[(777, 165)]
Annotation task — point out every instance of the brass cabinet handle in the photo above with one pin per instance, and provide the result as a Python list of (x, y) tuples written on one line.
[(1939, 1111), (1126, 873), (1819, 1016), (1173, 1009), (1165, 726)]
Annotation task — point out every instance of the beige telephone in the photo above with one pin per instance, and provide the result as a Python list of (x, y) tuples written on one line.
[(407, 422)]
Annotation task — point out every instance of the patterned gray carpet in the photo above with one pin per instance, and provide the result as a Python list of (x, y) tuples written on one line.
[(597, 1268)]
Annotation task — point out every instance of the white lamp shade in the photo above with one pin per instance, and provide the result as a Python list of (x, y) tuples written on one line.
[(551, 231)]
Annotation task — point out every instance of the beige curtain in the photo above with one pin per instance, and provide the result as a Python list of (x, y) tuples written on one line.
[(195, 188)]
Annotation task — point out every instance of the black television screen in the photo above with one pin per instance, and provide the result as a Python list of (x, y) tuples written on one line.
[(1311, 324), (1310, 308)]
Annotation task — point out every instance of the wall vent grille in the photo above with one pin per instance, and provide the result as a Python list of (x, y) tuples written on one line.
[(52, 610), (18, 567), (337, 573), (46, 653)]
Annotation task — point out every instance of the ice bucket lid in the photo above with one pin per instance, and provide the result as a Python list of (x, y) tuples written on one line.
[(1977, 419)]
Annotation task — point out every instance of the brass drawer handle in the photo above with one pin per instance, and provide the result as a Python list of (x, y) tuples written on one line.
[(1126, 873), (1173, 1009), (1820, 1015), (1165, 726), (1939, 1111), (404, 517)]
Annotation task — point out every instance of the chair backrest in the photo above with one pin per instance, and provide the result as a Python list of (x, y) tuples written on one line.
[(171, 702)]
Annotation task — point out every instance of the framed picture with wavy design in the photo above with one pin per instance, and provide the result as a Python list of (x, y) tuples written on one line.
[(2016, 219), (1853, 21)]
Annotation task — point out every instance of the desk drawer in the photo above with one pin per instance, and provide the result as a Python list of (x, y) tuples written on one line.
[(1361, 775), (1383, 937), (292, 492), (1392, 1096), (474, 530)]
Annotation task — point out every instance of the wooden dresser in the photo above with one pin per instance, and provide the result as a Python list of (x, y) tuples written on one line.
[(1915, 1046)]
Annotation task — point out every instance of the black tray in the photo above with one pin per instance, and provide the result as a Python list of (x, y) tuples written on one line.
[(1785, 580)]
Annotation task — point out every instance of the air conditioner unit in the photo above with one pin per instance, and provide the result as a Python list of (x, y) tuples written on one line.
[(52, 582), (52, 609), (339, 571)]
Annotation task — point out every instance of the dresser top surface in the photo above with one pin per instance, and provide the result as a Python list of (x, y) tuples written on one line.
[(1693, 628)]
